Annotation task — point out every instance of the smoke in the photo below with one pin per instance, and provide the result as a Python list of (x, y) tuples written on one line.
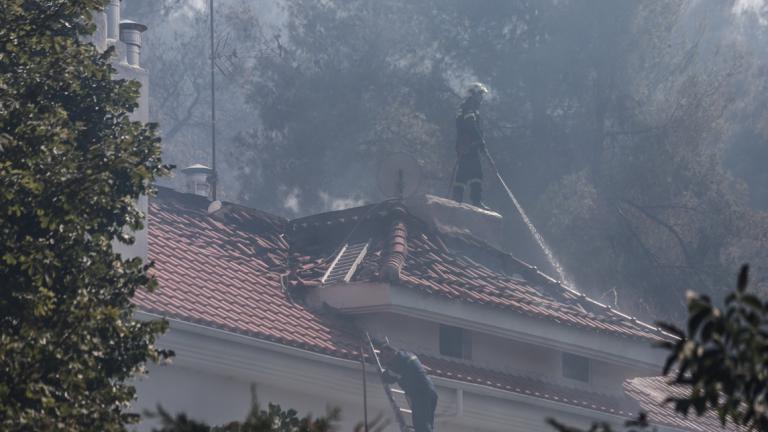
[(756, 7), (189, 9), (340, 203), (459, 77), (291, 200)]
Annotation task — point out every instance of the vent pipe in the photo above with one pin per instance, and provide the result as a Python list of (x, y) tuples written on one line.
[(113, 21), (130, 35), (197, 179)]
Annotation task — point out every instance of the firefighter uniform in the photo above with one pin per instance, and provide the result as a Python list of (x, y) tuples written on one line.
[(470, 143), (406, 369), (469, 146)]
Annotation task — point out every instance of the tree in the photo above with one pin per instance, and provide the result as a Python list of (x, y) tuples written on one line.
[(721, 356), (273, 419), (177, 56), (72, 164), (345, 83)]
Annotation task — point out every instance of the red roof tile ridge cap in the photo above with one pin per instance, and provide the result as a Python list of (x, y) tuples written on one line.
[(397, 251)]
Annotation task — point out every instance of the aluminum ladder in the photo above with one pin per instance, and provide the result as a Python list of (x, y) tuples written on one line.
[(399, 412)]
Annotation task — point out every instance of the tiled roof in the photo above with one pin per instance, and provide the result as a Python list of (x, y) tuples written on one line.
[(225, 272), (439, 264), (652, 392), (434, 270), (235, 270)]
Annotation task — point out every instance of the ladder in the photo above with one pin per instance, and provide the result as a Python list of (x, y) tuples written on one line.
[(391, 392), (346, 262)]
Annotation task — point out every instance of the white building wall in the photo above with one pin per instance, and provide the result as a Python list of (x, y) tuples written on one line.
[(513, 356), (502, 354), (219, 399), (365, 298), (202, 396), (211, 377), (404, 332), (609, 378)]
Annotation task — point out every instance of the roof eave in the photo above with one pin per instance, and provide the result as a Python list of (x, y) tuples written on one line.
[(369, 297)]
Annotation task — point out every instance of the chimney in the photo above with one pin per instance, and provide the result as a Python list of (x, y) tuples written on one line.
[(197, 179), (113, 21), (130, 35)]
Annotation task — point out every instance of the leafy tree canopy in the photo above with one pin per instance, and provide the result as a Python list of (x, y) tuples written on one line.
[(273, 419), (72, 164), (722, 354)]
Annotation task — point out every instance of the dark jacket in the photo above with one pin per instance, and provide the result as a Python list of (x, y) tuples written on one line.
[(469, 132), (406, 369)]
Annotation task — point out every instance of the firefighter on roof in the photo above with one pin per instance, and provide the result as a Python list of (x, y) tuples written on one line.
[(405, 368), (470, 143)]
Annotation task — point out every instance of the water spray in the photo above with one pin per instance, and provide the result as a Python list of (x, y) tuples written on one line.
[(539, 239)]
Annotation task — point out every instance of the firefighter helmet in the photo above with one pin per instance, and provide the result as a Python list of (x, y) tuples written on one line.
[(476, 88)]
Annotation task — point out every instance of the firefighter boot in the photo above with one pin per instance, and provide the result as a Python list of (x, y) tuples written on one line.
[(458, 193), (476, 195)]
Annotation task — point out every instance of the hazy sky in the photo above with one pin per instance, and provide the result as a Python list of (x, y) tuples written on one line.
[(755, 6)]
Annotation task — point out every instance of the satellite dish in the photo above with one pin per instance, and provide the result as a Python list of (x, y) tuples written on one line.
[(399, 175)]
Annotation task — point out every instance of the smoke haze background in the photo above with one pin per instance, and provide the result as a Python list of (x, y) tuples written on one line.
[(634, 133)]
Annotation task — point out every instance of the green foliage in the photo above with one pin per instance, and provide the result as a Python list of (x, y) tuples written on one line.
[(72, 164), (723, 356), (273, 419)]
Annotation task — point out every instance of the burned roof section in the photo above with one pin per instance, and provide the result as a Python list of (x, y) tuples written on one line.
[(450, 265)]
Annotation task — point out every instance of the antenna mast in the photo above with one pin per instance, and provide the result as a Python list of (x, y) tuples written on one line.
[(214, 178)]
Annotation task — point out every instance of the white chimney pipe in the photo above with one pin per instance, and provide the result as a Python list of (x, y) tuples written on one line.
[(113, 20), (197, 179), (130, 35)]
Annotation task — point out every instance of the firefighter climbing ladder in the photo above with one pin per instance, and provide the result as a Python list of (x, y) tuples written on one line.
[(391, 392)]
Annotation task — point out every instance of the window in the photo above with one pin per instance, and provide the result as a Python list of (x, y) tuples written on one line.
[(576, 367), (455, 342)]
